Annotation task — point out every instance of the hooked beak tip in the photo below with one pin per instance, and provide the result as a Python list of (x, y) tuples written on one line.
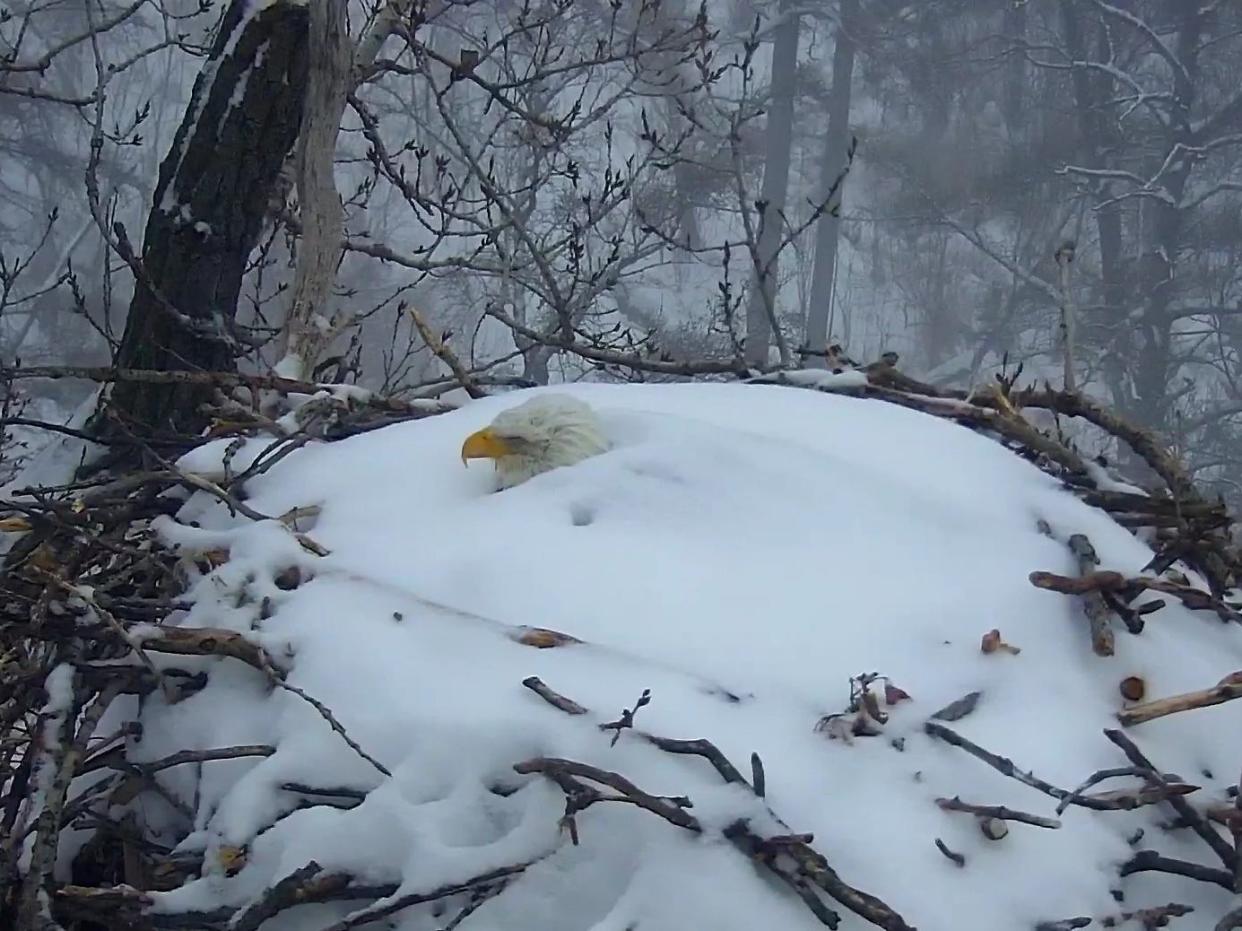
[(484, 444)]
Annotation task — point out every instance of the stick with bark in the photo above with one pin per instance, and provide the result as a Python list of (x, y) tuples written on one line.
[(1093, 604), (1227, 689)]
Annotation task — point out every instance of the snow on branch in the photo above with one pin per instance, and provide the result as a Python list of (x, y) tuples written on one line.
[(1154, 39)]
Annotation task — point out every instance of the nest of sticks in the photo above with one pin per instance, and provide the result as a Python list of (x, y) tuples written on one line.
[(85, 574)]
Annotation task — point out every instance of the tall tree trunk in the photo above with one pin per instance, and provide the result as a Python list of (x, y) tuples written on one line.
[(241, 122), (311, 325), (761, 308), (1015, 69), (1156, 362), (1095, 141), (836, 146)]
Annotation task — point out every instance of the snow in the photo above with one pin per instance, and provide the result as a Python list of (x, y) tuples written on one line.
[(741, 551), (819, 379), (289, 366), (59, 687)]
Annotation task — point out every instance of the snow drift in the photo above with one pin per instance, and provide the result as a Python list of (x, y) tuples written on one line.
[(741, 552)]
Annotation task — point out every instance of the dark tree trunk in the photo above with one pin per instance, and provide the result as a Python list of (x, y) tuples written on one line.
[(1016, 87), (1096, 141), (207, 212), (1156, 360)]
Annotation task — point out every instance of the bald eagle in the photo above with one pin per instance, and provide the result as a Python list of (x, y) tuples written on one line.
[(546, 432)]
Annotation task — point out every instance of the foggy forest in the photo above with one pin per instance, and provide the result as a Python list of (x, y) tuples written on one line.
[(635, 190)]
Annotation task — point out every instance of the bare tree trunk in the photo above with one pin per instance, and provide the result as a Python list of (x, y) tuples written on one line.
[(1156, 360), (241, 122), (836, 147), (1095, 142), (311, 326), (1015, 68), (535, 364), (761, 308)]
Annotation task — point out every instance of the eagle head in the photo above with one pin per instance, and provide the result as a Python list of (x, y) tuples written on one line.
[(546, 432)]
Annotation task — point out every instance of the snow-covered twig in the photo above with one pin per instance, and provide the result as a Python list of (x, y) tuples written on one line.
[(568, 772), (203, 756), (219, 379), (488, 884), (340, 795), (789, 856)]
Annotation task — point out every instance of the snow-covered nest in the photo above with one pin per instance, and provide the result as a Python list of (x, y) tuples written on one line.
[(742, 552)]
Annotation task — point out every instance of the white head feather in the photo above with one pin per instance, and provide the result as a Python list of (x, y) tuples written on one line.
[(546, 432)]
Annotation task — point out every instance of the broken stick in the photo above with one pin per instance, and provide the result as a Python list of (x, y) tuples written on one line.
[(1227, 689), (1093, 604)]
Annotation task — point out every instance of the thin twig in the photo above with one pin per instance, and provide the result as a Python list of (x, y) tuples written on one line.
[(445, 354), (997, 811), (1188, 813), (326, 713), (555, 699), (1005, 765), (1148, 861)]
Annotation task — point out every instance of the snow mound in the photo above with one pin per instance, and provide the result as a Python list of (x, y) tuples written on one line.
[(742, 552)]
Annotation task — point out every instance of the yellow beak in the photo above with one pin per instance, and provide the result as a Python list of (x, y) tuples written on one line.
[(485, 444)]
